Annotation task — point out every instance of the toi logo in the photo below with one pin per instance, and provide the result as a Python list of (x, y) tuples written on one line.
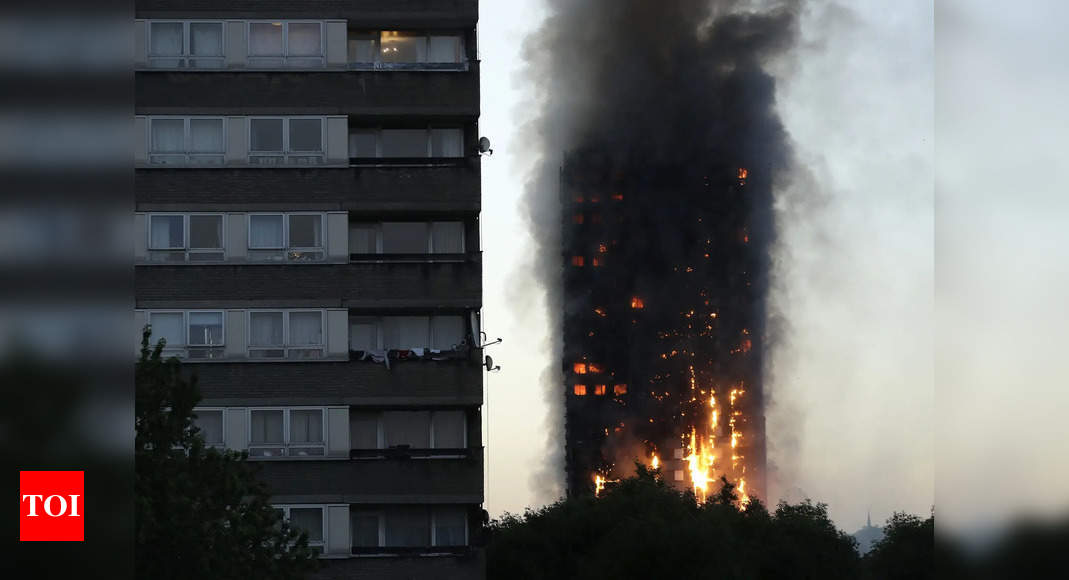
[(51, 505)]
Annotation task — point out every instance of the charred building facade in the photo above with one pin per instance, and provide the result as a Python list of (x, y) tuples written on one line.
[(307, 241)]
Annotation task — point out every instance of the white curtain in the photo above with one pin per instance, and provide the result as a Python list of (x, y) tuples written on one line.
[(444, 49), (306, 328), (306, 426), (448, 237), (206, 136), (265, 329), (403, 332), (206, 38), (447, 142), (364, 430), (167, 232), (448, 429), (169, 326), (410, 428), (168, 136), (166, 39), (265, 231), (408, 527), (266, 427), (205, 328), (304, 39), (449, 525), (265, 39), (210, 424), (447, 331)]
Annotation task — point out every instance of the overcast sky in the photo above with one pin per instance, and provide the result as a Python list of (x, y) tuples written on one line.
[(862, 250)]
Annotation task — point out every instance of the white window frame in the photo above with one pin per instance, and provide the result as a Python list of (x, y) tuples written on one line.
[(186, 57), (186, 248), (286, 444), (184, 350), (286, 347), (187, 156), (286, 156), (221, 410), (428, 131), (322, 508), (285, 56), (288, 252)]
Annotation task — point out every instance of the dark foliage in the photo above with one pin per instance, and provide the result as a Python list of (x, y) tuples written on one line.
[(906, 551)]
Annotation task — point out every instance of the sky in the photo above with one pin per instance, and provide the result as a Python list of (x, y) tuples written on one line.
[(888, 277)]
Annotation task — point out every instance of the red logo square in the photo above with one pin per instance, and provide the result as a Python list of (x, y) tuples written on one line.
[(51, 506)]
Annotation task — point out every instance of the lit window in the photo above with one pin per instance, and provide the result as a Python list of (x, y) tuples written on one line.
[(599, 389), (602, 248), (579, 368), (595, 368), (577, 261), (637, 303), (619, 389), (597, 261), (579, 390)]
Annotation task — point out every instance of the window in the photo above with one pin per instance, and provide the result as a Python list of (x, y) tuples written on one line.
[(286, 238), (286, 141), (407, 429), (185, 238), (443, 142), (448, 430), (619, 389), (286, 334), (194, 334), (186, 141), (406, 238), (308, 519), (286, 433), (409, 526), (399, 47), (599, 389), (450, 526), (444, 429), (579, 390), (185, 44), (406, 332), (286, 44), (210, 423)]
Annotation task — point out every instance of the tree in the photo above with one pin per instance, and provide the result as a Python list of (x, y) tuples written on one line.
[(199, 512), (642, 528), (907, 549)]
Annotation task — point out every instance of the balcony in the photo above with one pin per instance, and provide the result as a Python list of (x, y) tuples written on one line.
[(378, 188), (359, 13)]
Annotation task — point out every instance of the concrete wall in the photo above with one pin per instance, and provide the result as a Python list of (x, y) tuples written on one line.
[(470, 566)]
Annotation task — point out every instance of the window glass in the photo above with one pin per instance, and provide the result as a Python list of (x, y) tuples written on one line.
[(166, 232), (411, 428), (306, 328), (306, 426), (205, 328), (309, 520), (450, 523), (210, 424), (403, 47), (361, 47), (363, 239), (168, 135), (404, 332), (265, 39), (206, 38), (363, 335), (265, 134), (306, 231), (265, 231), (364, 430), (304, 39), (265, 329), (166, 39), (449, 429), (444, 49), (363, 143), (446, 331), (365, 530), (169, 326), (448, 237), (408, 527), (266, 427), (206, 136), (205, 231), (404, 143), (404, 238), (447, 142), (306, 135)]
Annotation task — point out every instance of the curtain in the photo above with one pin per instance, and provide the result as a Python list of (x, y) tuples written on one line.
[(265, 329), (167, 232), (206, 136), (448, 237), (206, 231), (404, 332), (306, 328), (408, 527), (304, 39), (306, 135), (447, 143), (266, 427), (168, 136), (309, 520), (169, 326), (447, 331), (166, 39), (206, 39), (306, 426), (205, 328), (404, 238), (265, 231), (448, 429), (364, 430), (265, 39), (210, 424), (410, 428), (449, 525), (365, 529), (444, 49)]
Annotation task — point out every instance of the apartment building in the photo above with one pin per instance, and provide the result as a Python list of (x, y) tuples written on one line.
[(307, 241)]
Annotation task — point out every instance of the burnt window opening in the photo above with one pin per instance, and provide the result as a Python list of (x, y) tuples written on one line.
[(599, 389), (619, 389), (579, 390), (577, 261), (579, 368)]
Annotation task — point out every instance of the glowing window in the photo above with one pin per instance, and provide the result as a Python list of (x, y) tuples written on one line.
[(636, 303), (577, 261), (579, 368), (597, 262), (620, 389), (595, 368), (579, 390), (599, 389), (602, 248)]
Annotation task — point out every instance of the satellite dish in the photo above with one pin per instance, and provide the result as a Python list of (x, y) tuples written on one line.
[(484, 146), (489, 364)]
